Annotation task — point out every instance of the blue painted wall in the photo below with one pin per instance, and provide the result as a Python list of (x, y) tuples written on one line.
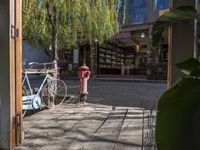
[(121, 14), (161, 4), (137, 11), (34, 54)]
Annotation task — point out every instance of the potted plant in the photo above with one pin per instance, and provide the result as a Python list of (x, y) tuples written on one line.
[(178, 116)]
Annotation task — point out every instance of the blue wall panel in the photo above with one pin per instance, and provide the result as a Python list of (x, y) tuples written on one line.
[(34, 54), (161, 4), (137, 11), (121, 12)]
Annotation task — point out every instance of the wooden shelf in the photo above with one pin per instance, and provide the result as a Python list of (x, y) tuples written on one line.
[(110, 59)]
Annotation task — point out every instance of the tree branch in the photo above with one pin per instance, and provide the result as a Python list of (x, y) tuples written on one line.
[(49, 13)]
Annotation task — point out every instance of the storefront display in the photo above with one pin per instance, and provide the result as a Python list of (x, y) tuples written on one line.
[(110, 60), (114, 61)]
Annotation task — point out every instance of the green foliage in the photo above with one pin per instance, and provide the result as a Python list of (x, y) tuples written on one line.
[(177, 126), (74, 21), (190, 67), (181, 14)]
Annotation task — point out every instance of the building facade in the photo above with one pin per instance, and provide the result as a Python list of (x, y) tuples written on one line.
[(130, 52)]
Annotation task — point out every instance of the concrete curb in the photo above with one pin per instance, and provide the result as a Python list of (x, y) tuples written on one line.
[(122, 80)]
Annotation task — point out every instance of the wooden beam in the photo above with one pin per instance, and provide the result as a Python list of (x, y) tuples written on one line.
[(18, 67), (135, 27), (181, 43), (11, 74)]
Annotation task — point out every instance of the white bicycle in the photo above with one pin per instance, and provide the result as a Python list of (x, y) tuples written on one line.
[(52, 91)]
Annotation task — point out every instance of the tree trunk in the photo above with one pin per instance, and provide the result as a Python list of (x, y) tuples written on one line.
[(54, 36), (54, 44), (54, 57), (54, 48)]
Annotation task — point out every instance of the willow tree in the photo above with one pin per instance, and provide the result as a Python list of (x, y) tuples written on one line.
[(66, 23)]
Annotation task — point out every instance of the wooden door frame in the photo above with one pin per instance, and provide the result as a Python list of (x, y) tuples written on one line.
[(18, 74), (11, 73)]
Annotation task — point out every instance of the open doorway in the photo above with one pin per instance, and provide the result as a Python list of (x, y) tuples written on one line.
[(73, 126)]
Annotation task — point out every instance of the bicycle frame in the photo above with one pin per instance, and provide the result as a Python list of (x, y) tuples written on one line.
[(32, 101), (52, 96)]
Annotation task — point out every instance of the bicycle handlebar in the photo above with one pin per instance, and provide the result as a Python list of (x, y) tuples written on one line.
[(32, 64)]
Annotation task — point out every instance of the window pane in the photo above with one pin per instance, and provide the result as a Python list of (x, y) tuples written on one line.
[(161, 4), (137, 11)]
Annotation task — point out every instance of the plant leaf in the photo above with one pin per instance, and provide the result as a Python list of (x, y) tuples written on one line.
[(177, 123), (189, 67)]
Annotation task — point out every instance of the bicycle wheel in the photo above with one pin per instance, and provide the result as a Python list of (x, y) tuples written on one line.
[(24, 93), (59, 91), (54, 93), (46, 95)]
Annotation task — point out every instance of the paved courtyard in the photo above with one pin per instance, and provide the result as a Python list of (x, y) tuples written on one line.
[(115, 117)]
